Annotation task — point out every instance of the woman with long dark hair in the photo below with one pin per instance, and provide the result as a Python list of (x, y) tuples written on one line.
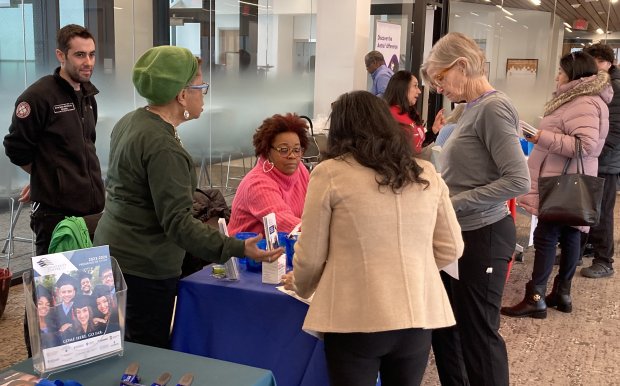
[(378, 224), (401, 94)]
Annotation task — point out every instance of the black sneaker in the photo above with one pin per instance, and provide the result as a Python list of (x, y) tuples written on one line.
[(597, 270)]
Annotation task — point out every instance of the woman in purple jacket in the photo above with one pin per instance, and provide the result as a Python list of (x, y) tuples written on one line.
[(578, 109)]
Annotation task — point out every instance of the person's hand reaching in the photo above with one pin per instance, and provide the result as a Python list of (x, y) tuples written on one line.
[(255, 253)]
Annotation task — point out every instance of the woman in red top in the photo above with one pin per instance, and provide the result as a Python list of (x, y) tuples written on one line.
[(402, 94)]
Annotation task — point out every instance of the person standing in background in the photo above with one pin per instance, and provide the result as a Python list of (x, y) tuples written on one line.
[(576, 115), (52, 137), (380, 73), (601, 236)]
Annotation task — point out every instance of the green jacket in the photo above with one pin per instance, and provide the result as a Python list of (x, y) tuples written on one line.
[(70, 234), (147, 221)]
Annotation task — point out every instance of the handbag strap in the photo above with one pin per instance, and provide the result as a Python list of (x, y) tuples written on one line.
[(578, 156)]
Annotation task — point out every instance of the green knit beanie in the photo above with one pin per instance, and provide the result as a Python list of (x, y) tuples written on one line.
[(161, 72)]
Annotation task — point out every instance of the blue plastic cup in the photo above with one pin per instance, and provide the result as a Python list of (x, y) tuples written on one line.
[(290, 250), (243, 260), (253, 265)]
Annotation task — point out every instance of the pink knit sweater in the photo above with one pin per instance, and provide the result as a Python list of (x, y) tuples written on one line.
[(260, 193)]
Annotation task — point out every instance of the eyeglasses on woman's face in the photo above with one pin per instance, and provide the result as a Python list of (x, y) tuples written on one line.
[(204, 88), (440, 77), (285, 151)]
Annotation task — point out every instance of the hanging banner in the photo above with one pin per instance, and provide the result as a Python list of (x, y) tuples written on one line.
[(387, 41)]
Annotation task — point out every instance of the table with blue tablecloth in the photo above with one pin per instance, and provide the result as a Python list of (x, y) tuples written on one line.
[(154, 361), (250, 323)]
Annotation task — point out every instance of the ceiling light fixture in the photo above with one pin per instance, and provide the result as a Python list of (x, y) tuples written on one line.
[(599, 31), (575, 5), (568, 29), (567, 25), (474, 13), (536, 2)]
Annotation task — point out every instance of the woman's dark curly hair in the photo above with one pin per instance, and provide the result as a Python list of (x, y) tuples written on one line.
[(396, 95), (578, 65), (275, 125), (361, 125)]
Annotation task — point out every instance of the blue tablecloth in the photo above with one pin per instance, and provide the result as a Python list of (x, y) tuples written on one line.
[(250, 323), (154, 361)]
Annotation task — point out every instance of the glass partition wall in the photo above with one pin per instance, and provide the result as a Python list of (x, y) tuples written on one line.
[(524, 40), (257, 55)]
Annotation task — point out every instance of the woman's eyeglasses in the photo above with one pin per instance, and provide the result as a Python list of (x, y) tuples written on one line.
[(438, 79), (204, 88), (286, 151)]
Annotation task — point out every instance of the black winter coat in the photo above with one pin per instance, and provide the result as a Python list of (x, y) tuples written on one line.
[(609, 160)]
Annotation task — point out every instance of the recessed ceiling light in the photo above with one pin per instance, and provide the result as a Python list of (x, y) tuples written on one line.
[(568, 29), (575, 5), (567, 25), (599, 31), (536, 2)]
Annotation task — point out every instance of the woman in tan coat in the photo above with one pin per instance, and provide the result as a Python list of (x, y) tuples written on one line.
[(377, 227)]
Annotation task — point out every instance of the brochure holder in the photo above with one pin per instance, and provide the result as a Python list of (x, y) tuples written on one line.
[(81, 353)]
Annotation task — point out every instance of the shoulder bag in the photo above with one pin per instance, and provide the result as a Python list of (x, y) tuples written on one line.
[(571, 199)]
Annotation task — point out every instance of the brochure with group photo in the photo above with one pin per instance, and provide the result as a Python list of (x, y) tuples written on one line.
[(77, 310)]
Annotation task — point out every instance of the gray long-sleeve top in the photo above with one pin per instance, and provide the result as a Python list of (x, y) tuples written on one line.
[(482, 161)]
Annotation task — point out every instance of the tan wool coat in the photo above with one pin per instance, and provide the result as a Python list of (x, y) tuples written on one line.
[(373, 256)]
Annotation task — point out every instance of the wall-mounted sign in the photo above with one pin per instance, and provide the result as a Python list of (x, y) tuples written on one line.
[(387, 42)]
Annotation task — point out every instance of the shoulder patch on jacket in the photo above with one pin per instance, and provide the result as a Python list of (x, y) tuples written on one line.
[(22, 110)]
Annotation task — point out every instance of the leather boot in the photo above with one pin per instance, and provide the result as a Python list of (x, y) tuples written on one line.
[(560, 295), (533, 305)]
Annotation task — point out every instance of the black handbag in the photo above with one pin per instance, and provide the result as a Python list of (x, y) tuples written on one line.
[(571, 199)]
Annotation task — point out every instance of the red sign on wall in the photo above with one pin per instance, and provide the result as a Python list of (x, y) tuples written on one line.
[(580, 24)]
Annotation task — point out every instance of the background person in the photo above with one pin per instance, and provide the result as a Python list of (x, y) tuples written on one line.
[(577, 110), (279, 180), (148, 222), (52, 137), (402, 94), (479, 186), (380, 73), (376, 302), (601, 236)]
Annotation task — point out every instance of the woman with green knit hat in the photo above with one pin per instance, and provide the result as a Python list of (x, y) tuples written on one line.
[(147, 220)]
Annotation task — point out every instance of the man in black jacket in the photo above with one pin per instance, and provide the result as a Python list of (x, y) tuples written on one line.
[(52, 137), (602, 235)]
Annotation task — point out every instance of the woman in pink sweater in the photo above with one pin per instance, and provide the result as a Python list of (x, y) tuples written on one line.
[(278, 182)]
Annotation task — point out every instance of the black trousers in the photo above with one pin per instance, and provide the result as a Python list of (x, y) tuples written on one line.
[(150, 304), (476, 300), (546, 237), (447, 348), (355, 359), (601, 236)]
